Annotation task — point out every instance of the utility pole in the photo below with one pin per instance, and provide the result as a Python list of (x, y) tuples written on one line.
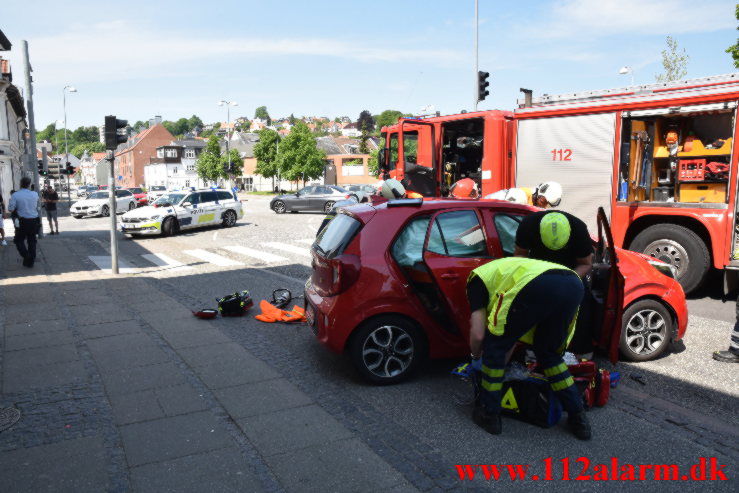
[(113, 227), (477, 40), (31, 161)]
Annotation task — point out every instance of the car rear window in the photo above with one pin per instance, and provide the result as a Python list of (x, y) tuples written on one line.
[(337, 235)]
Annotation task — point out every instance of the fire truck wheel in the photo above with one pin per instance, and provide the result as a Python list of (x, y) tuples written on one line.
[(678, 246)]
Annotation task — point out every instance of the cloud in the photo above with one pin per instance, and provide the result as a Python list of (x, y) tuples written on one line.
[(120, 50)]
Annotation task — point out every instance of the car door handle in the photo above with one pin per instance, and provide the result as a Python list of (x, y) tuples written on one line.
[(450, 276)]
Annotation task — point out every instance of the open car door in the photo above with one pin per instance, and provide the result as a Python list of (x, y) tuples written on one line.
[(608, 283), (417, 154)]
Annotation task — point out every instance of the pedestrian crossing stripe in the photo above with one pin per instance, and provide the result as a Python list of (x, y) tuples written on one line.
[(162, 260), (213, 258), (257, 254), (509, 401), (105, 264), (289, 248), (309, 241)]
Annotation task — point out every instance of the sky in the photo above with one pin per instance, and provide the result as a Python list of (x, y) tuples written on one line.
[(137, 59)]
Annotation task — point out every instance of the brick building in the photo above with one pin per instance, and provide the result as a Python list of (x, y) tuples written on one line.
[(131, 157)]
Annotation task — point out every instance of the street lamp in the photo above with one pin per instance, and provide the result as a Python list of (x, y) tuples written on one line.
[(66, 145), (228, 105), (627, 70)]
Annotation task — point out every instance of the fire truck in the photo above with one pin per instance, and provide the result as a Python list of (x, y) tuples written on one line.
[(659, 158)]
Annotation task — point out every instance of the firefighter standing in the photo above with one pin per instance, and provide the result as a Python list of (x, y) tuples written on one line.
[(533, 301)]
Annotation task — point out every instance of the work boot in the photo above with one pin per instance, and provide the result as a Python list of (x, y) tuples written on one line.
[(726, 356), (489, 422), (579, 425)]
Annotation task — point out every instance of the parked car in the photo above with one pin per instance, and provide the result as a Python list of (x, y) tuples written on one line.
[(388, 284), (141, 197), (315, 198), (361, 192), (85, 190), (98, 204), (154, 192), (102, 187), (175, 211)]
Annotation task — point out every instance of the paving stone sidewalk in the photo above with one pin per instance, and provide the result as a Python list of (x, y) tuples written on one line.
[(121, 389)]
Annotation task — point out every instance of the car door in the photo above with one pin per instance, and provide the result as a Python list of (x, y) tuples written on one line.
[(301, 200), (188, 210), (319, 197), (122, 199), (608, 282), (208, 207), (456, 244)]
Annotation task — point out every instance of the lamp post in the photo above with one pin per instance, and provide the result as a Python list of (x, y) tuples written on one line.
[(228, 105), (627, 70), (66, 145)]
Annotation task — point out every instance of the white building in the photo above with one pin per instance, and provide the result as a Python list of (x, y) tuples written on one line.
[(174, 166), (12, 128)]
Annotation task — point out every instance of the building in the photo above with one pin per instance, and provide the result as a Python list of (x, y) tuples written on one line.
[(344, 164), (174, 165), (132, 156), (87, 171), (351, 130), (12, 128)]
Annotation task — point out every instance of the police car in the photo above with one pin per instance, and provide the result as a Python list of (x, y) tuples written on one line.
[(176, 210)]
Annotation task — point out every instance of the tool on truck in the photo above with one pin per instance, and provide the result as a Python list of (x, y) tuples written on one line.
[(658, 157)]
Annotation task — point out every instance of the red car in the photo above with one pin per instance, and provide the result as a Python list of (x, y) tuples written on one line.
[(389, 284), (139, 195)]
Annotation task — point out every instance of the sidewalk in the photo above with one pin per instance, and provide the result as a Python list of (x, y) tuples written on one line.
[(121, 389)]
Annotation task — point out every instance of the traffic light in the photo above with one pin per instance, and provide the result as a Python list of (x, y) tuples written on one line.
[(482, 85), (113, 134), (69, 170), (41, 170)]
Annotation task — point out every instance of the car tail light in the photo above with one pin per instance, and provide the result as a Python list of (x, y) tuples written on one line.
[(333, 276), (347, 196)]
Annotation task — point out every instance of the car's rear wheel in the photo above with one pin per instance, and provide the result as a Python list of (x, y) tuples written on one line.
[(387, 349), (328, 206), (279, 207), (229, 219), (77, 217), (169, 227), (131, 206), (105, 211), (352, 196), (646, 331)]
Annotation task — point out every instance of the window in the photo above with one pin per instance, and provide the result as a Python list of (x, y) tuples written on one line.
[(208, 197), (171, 152), (306, 191), (393, 152), (160, 153), (337, 235), (122, 193), (187, 183), (408, 247), (193, 198), (225, 196), (174, 170), (190, 167), (506, 226), (322, 190), (458, 234), (410, 147), (190, 153)]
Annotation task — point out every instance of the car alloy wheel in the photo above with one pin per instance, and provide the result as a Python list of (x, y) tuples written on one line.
[(105, 211), (168, 227), (229, 218), (646, 331), (328, 206), (279, 207), (131, 206)]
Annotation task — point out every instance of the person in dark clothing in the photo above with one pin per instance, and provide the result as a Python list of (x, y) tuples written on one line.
[(50, 198), (732, 355), (24, 203)]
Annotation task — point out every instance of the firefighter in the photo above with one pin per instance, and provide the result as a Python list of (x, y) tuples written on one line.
[(533, 301), (466, 188), (393, 189), (547, 194)]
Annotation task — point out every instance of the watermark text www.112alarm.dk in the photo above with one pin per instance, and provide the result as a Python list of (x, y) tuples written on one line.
[(583, 469)]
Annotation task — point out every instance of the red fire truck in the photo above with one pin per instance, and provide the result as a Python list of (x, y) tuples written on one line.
[(659, 158)]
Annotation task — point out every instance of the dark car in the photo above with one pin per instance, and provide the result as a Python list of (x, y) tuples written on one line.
[(313, 198)]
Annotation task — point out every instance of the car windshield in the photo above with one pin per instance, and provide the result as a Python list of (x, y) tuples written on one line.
[(340, 189), (157, 188), (354, 188), (99, 195), (136, 190), (170, 198), (336, 235)]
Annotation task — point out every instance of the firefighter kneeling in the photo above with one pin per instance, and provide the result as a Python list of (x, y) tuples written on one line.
[(533, 301)]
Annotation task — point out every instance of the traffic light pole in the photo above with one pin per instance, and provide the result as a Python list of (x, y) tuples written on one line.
[(477, 40), (113, 236)]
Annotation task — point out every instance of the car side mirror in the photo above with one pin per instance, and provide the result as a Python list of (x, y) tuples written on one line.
[(186, 203)]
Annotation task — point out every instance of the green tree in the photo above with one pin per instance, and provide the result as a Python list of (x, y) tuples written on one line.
[(265, 151), (363, 149), (194, 122), (387, 118), (79, 149), (244, 127), (299, 158), (263, 114), (674, 62), (209, 165), (365, 117), (734, 49), (236, 165), (47, 133), (373, 166), (139, 126), (292, 119), (206, 134)]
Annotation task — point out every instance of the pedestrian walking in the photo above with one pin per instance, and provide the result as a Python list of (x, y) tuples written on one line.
[(533, 301), (2, 222), (24, 203), (50, 199), (732, 355)]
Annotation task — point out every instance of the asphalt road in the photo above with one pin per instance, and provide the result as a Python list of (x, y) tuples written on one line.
[(685, 408)]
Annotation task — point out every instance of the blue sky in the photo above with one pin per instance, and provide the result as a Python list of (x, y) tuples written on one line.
[(137, 59)]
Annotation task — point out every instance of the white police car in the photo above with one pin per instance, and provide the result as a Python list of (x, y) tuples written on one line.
[(174, 211)]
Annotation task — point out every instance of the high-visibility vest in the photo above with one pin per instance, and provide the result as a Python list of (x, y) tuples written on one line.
[(504, 279)]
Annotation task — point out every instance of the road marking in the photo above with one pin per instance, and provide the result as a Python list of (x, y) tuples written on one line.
[(257, 254), (104, 263), (215, 235), (289, 248), (309, 241), (213, 258), (162, 260)]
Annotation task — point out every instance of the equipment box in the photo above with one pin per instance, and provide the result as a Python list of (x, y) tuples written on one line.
[(661, 194), (703, 192), (692, 170)]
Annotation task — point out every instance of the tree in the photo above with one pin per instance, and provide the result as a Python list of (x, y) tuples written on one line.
[(262, 114), (363, 139), (292, 119), (209, 165), (299, 158), (265, 151), (139, 126), (244, 126), (387, 118), (674, 62), (365, 117), (236, 166), (194, 122), (734, 49), (79, 149), (209, 133), (373, 166)]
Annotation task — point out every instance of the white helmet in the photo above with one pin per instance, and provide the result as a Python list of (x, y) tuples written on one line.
[(393, 189), (552, 191)]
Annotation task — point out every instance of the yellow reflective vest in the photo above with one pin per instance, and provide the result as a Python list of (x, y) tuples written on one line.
[(504, 279)]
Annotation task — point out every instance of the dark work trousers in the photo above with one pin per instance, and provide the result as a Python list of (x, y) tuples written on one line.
[(25, 239), (734, 344), (548, 302)]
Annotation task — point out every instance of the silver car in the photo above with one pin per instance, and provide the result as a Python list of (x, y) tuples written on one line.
[(313, 198)]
